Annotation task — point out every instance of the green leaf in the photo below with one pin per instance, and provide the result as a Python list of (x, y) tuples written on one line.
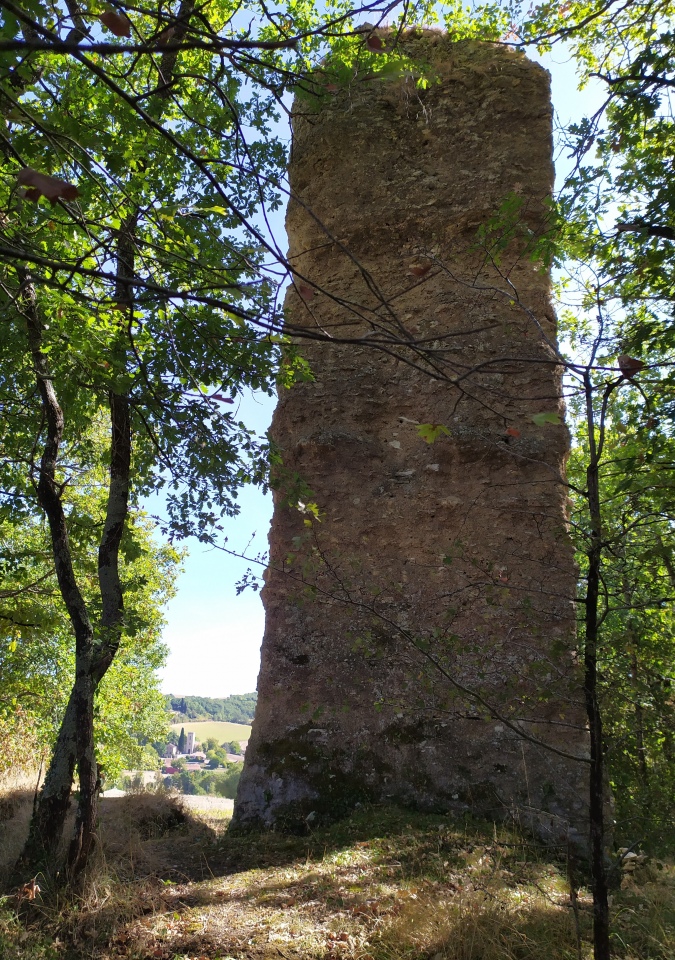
[(541, 419), (430, 432)]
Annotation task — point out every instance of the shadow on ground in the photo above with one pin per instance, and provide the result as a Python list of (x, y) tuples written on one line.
[(386, 884)]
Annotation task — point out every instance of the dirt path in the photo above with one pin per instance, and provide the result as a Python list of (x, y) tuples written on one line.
[(207, 804)]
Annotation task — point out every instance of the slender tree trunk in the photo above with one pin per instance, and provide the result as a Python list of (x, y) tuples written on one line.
[(601, 947), (75, 741), (82, 698), (52, 805), (95, 665)]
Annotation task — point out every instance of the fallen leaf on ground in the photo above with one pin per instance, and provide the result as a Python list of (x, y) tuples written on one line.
[(29, 891)]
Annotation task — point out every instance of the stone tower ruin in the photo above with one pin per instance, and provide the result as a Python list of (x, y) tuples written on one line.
[(420, 633)]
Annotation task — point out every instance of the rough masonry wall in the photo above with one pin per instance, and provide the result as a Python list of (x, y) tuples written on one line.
[(419, 639)]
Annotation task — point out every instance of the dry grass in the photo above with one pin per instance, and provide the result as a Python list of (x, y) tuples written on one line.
[(16, 806), (384, 885)]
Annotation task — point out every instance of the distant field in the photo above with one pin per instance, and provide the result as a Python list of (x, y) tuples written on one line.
[(222, 731)]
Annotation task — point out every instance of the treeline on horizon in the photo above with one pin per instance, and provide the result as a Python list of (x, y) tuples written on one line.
[(237, 708)]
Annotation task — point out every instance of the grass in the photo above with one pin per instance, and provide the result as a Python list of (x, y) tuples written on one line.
[(385, 884), (222, 731)]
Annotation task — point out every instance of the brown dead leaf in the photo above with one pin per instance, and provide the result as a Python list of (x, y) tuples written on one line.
[(42, 184), (629, 366), (29, 891), (375, 43), (117, 23), (419, 269)]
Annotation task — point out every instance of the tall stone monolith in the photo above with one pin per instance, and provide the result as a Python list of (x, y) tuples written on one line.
[(420, 634)]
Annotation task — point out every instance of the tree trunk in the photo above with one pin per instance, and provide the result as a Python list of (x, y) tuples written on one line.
[(94, 665), (95, 662), (46, 826), (52, 806), (601, 948), (81, 844)]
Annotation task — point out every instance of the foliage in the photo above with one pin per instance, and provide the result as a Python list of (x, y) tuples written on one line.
[(237, 708), (222, 784), (36, 644), (615, 244), (638, 630)]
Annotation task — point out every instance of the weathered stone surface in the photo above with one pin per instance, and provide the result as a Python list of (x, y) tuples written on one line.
[(428, 618)]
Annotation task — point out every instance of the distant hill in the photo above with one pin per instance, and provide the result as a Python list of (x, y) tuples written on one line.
[(239, 708)]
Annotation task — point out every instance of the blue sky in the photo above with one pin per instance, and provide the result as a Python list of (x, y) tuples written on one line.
[(214, 636)]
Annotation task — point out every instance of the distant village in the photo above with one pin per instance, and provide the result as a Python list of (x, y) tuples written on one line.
[(193, 759)]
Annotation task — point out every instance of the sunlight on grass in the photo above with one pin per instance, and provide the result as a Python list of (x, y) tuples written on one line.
[(172, 884)]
